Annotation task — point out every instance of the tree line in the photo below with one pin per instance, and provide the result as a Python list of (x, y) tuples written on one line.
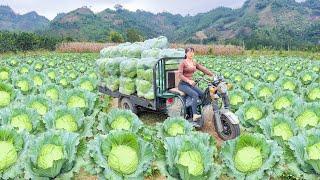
[(273, 39), (26, 41)]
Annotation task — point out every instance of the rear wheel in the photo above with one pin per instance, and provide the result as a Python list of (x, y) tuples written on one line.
[(176, 107), (230, 131), (125, 103)]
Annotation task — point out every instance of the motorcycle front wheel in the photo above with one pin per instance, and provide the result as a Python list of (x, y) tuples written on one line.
[(230, 131)]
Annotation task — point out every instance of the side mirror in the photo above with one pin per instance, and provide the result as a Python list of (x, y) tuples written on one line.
[(215, 77)]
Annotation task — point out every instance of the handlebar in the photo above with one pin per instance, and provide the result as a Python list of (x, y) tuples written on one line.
[(202, 79), (215, 81)]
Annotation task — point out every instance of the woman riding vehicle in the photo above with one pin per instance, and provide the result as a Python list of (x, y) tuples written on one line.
[(186, 70)]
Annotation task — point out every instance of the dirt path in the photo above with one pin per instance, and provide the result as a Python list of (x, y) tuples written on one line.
[(209, 126)]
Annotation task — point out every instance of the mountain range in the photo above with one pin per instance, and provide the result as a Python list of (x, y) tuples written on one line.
[(284, 22), (9, 20)]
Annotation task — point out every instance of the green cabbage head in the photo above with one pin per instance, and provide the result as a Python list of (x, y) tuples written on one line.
[(87, 85), (121, 155), (24, 70), (288, 73), (121, 123), (20, 118), (119, 119), (193, 160), (249, 85), (306, 78), (52, 75), (13, 62), (174, 126), (254, 113), (63, 82), (256, 74), (13, 149), (248, 159), (68, 119), (123, 159), (8, 155), (289, 85), (306, 149), (307, 117), (4, 74), (5, 98), (39, 107), (314, 94), (52, 93), (48, 154), (76, 101), (250, 155), (54, 154), (37, 80), (38, 66), (73, 75), (283, 130), (175, 129), (283, 102), (251, 113), (189, 158), (67, 122), (238, 78), (264, 92), (78, 98), (236, 99), (21, 121), (314, 151), (272, 77), (23, 85)]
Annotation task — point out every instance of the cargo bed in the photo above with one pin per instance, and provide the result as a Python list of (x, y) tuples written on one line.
[(159, 84)]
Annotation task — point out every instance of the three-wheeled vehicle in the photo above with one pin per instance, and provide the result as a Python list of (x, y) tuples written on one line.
[(170, 100)]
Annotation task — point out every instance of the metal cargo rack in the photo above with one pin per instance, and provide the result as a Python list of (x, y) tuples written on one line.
[(161, 93)]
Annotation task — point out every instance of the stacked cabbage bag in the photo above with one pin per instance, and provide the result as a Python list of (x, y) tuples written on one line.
[(112, 79), (128, 74), (128, 67), (144, 79)]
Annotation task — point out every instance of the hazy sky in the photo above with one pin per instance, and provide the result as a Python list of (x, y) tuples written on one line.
[(50, 8)]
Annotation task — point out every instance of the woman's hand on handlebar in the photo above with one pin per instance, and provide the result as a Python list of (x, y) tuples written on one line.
[(201, 79)]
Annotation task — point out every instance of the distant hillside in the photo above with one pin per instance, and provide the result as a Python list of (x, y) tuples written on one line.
[(277, 23), (31, 21), (258, 23)]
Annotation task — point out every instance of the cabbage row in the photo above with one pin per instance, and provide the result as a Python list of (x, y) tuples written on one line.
[(48, 107), (54, 122), (278, 102)]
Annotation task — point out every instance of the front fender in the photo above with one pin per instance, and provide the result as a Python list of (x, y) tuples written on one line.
[(231, 116)]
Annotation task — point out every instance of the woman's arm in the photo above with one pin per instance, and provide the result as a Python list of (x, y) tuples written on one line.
[(204, 69)]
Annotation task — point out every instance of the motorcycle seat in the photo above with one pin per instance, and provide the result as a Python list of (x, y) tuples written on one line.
[(177, 91)]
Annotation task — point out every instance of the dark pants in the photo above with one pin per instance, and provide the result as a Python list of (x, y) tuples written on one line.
[(194, 92)]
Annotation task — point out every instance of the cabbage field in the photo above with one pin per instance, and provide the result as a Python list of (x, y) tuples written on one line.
[(55, 124)]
